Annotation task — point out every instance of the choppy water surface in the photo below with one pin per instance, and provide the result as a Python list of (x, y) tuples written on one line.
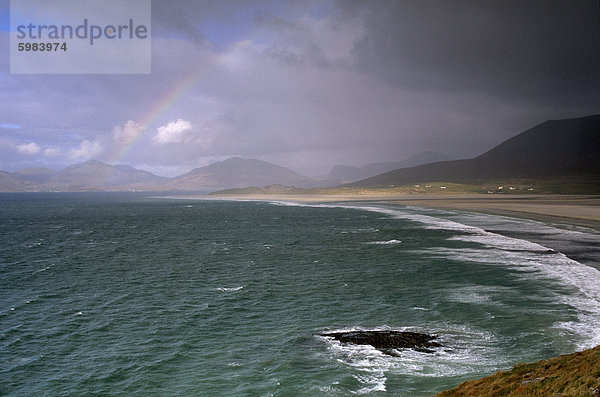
[(120, 294)]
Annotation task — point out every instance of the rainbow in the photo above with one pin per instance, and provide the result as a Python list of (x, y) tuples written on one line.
[(165, 102)]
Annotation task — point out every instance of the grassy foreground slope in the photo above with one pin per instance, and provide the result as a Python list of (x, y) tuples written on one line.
[(572, 375)]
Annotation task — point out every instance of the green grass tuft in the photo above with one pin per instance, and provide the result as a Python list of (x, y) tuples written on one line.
[(573, 375)]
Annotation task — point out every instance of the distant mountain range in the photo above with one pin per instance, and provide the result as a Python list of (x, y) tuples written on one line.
[(347, 173), (238, 172), (555, 149), (95, 175), (91, 175)]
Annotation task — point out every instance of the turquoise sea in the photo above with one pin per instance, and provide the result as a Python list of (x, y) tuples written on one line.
[(127, 294)]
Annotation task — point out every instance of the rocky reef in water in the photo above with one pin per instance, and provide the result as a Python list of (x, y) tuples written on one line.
[(387, 341)]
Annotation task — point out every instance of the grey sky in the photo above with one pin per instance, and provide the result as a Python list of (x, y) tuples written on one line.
[(311, 84)]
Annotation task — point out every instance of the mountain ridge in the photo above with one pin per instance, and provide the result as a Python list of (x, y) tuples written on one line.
[(553, 149), (347, 173), (236, 172), (97, 175)]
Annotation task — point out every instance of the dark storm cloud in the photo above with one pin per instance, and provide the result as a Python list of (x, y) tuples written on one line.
[(311, 84), (545, 51)]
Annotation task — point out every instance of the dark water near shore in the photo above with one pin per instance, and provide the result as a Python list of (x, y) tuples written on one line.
[(121, 294)]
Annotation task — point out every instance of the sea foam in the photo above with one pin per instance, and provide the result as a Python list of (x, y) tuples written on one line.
[(229, 289), (464, 349), (533, 259), (389, 242)]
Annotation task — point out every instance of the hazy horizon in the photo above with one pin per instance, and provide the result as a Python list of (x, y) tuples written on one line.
[(210, 163), (308, 85)]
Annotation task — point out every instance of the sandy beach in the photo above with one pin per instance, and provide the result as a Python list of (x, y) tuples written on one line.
[(579, 210), (582, 210)]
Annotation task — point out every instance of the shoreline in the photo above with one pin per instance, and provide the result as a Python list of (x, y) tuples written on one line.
[(566, 373), (573, 210), (577, 210), (571, 371)]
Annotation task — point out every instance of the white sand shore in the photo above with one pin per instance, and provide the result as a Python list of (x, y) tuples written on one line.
[(576, 209)]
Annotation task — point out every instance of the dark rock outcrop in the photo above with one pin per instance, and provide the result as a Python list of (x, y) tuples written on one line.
[(387, 341)]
